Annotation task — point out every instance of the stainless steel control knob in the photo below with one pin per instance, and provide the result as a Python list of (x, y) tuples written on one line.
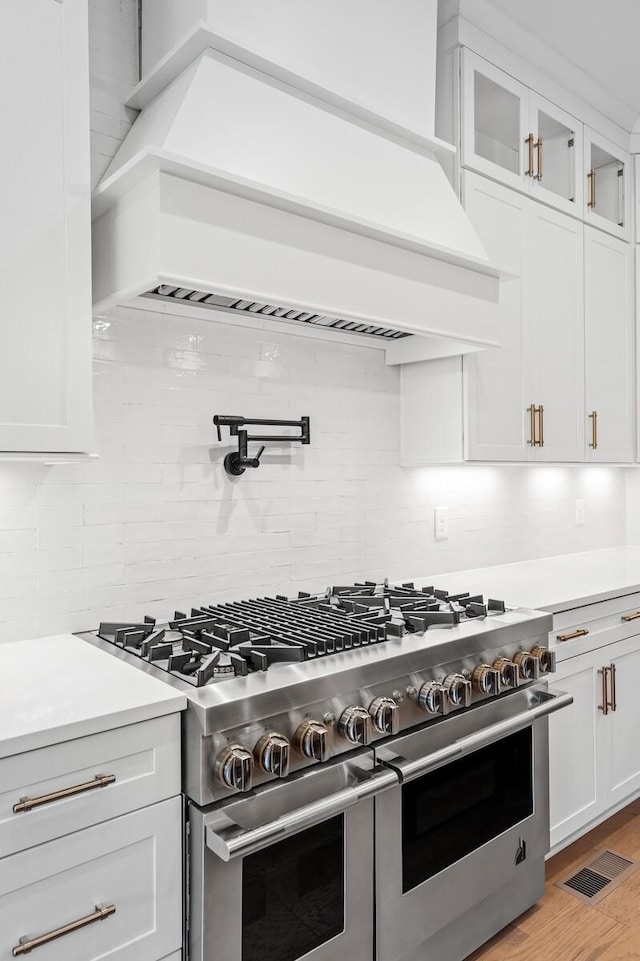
[(355, 724), (508, 671), (432, 698), (312, 740), (272, 754), (528, 666), (234, 767), (458, 690), (546, 658), (385, 715), (486, 679)]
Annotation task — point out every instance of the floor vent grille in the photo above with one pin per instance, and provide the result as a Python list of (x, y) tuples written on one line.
[(200, 298), (599, 877)]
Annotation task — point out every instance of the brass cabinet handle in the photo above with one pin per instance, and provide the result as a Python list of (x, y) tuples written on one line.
[(631, 617), (613, 703), (541, 421), (532, 411), (529, 142), (539, 157), (580, 632), (29, 803), (101, 913), (604, 707), (591, 177), (593, 417)]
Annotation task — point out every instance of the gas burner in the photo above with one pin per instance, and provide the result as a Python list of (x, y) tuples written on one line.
[(217, 642)]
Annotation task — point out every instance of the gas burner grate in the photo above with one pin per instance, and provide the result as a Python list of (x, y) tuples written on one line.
[(219, 641)]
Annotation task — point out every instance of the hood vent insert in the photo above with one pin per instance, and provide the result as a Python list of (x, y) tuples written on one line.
[(200, 298)]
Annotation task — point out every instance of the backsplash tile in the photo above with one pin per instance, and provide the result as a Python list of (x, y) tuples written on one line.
[(156, 524)]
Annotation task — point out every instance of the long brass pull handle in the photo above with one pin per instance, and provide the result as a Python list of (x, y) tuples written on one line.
[(541, 422), (539, 157), (604, 707), (613, 703), (631, 617), (581, 631), (101, 913), (529, 142), (593, 417), (591, 177), (532, 411), (29, 803)]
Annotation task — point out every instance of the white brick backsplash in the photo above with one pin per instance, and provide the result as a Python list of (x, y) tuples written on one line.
[(156, 524)]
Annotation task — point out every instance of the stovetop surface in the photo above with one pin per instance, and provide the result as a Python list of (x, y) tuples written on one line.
[(220, 642)]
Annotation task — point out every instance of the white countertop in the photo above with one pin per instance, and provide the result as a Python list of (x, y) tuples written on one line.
[(57, 688), (550, 583)]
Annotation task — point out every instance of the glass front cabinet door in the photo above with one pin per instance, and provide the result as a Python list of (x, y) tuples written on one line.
[(607, 175), (513, 135)]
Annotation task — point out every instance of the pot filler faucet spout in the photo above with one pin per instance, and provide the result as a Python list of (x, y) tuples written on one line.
[(237, 462)]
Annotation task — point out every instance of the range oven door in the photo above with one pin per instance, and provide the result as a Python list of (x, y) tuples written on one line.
[(287, 872), (469, 821)]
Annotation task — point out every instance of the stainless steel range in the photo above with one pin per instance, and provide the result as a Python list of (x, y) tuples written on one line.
[(365, 769)]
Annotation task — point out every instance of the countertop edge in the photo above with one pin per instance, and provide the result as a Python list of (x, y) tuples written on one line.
[(47, 737)]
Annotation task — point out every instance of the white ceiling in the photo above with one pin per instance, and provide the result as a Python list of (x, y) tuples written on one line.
[(602, 38)]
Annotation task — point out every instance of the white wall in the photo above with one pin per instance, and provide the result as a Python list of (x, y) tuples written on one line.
[(157, 524)]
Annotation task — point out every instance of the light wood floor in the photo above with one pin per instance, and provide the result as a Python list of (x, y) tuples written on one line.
[(560, 927)]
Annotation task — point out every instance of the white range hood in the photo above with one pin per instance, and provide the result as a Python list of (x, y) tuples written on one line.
[(246, 189)]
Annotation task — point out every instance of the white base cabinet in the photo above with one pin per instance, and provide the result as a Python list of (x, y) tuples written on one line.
[(594, 748), (45, 190), (91, 831), (131, 864)]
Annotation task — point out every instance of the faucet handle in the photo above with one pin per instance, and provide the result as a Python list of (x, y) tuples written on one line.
[(255, 461)]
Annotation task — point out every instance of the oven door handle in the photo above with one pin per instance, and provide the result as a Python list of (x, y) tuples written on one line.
[(411, 769), (229, 840)]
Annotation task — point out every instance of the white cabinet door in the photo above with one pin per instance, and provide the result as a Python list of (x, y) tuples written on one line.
[(495, 122), (553, 297), (497, 422), (607, 178), (609, 340), (45, 325), (556, 171), (132, 863), (575, 790), (622, 755)]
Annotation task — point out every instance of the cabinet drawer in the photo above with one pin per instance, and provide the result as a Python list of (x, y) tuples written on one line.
[(595, 625), (132, 863), (140, 765)]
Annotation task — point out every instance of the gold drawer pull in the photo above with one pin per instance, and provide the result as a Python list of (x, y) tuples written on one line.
[(569, 637), (631, 617), (26, 945), (29, 803)]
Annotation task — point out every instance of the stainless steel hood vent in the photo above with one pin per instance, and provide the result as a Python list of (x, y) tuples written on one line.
[(266, 187), (214, 301)]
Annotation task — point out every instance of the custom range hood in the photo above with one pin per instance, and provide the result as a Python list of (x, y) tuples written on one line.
[(283, 168)]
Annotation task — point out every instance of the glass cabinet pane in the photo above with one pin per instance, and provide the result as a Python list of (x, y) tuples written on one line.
[(606, 185), (555, 160), (496, 113)]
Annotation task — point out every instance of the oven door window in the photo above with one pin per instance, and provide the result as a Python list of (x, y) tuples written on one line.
[(293, 894), (450, 812)]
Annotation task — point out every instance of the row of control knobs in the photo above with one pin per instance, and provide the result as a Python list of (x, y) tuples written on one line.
[(234, 766)]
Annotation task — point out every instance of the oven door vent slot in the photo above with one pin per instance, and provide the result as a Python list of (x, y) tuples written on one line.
[(597, 878)]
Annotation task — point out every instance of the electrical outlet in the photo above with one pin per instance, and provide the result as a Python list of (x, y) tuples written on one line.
[(581, 512), (441, 523)]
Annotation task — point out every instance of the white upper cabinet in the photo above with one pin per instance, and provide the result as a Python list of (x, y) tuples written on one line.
[(607, 186), (525, 401), (45, 363), (513, 135), (609, 347)]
